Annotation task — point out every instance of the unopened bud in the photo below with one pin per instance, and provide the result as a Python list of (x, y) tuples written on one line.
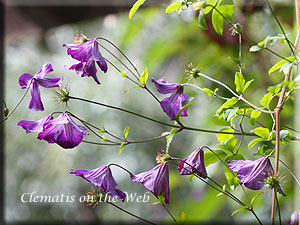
[(199, 5), (5, 112)]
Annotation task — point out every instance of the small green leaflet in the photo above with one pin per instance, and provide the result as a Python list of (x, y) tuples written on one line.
[(229, 114), (135, 7), (255, 197), (281, 63), (263, 44), (265, 101), (240, 209), (219, 120), (217, 22), (262, 132), (123, 145), (184, 107), (240, 84), (227, 104), (229, 145), (209, 8), (211, 158), (224, 137), (132, 88), (254, 116), (208, 92), (170, 138), (174, 6), (125, 133), (123, 74), (201, 20), (144, 77), (255, 141)]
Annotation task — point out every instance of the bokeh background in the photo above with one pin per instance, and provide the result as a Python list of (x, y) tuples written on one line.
[(34, 34)]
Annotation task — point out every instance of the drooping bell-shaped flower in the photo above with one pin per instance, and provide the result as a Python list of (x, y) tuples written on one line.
[(253, 173), (26, 80), (63, 131), (101, 177), (88, 54), (194, 163), (34, 126), (294, 219), (155, 180), (173, 104)]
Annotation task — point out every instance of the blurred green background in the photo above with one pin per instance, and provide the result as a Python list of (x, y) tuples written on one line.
[(165, 44)]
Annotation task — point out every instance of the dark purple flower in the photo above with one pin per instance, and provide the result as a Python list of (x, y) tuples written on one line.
[(63, 131), (155, 180), (172, 104), (34, 126), (101, 177), (194, 163), (294, 219), (87, 53), (253, 173), (33, 82)]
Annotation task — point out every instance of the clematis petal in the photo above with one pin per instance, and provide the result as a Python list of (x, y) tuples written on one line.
[(50, 82), (101, 177), (76, 126), (85, 69), (155, 180), (49, 133), (102, 64), (164, 87), (81, 52), (47, 68), (25, 80), (34, 126), (35, 101), (68, 137)]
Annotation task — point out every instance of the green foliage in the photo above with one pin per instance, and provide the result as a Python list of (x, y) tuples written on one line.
[(229, 145), (174, 6), (268, 40), (217, 22), (262, 132), (229, 114), (144, 77), (281, 63), (135, 7), (244, 208), (208, 91), (265, 101), (182, 108), (255, 141), (240, 84), (125, 132), (123, 74), (227, 104), (202, 20), (122, 146), (224, 137), (211, 158), (170, 138), (254, 116), (232, 179), (182, 217), (219, 120)]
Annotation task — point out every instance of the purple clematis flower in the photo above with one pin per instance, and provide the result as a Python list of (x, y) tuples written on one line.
[(196, 160), (88, 54), (155, 180), (294, 219), (34, 126), (253, 173), (172, 104), (101, 177), (63, 131), (33, 82)]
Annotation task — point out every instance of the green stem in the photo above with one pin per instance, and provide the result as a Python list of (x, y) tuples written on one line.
[(278, 208), (131, 214), (157, 121)]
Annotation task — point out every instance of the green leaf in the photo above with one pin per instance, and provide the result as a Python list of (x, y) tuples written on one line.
[(132, 88), (255, 48), (255, 141), (219, 120), (260, 150), (208, 92), (173, 7), (170, 138), (285, 136), (265, 101), (182, 217), (280, 64), (247, 85), (229, 145), (209, 8), (255, 197), (217, 22), (184, 107), (239, 82), (123, 74), (226, 9), (235, 60), (254, 116), (104, 138), (101, 131), (144, 77), (240, 209), (262, 132), (228, 114), (211, 158), (191, 177), (227, 104), (225, 137), (123, 145), (201, 20), (125, 132), (135, 7)]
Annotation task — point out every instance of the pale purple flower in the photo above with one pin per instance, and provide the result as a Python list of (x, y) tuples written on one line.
[(101, 177), (171, 105), (26, 80), (253, 173), (34, 126), (88, 54), (63, 131), (194, 163), (294, 219), (155, 180)]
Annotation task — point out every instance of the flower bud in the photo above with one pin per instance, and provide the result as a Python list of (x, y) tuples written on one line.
[(5, 112), (294, 218)]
